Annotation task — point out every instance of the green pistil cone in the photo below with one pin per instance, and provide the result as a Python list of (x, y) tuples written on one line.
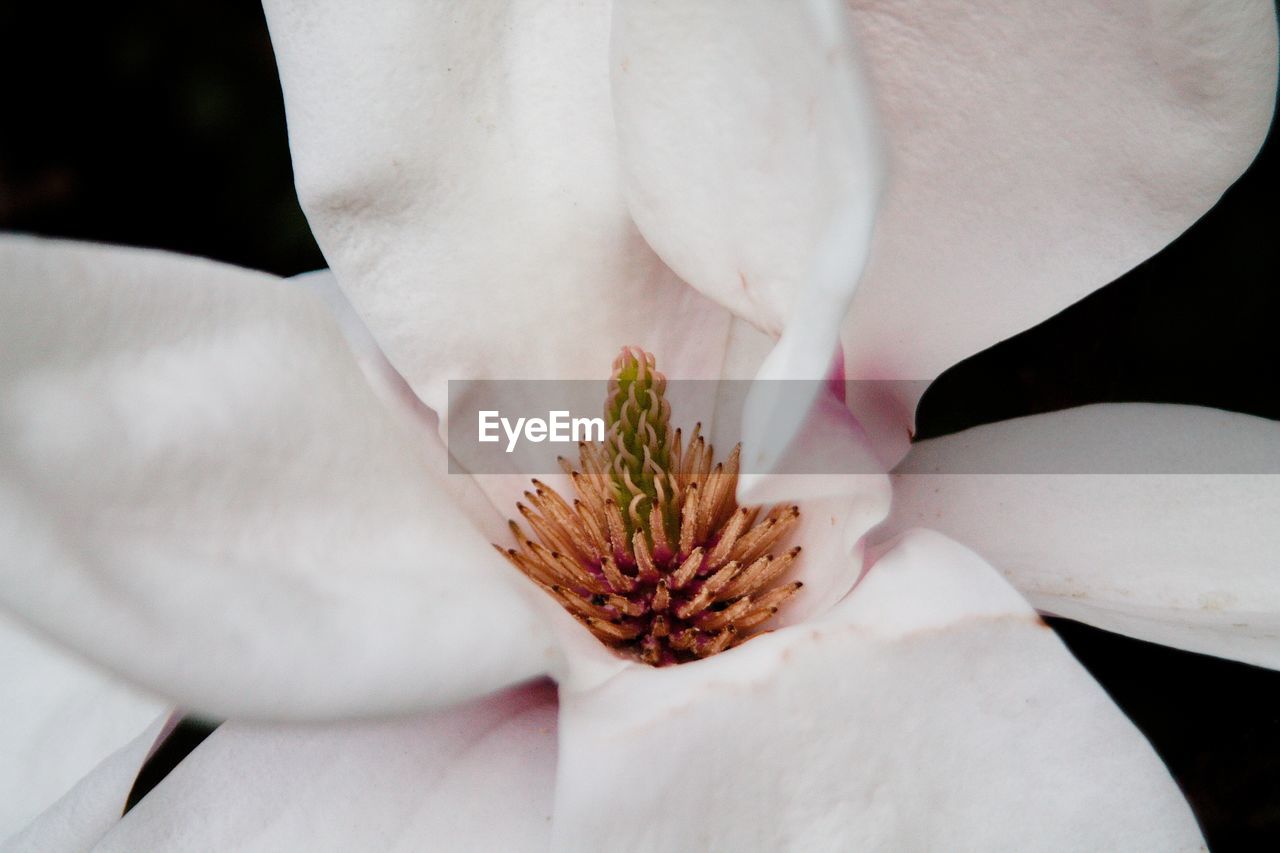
[(639, 441)]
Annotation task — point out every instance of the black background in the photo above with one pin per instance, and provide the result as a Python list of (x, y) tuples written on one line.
[(162, 125)]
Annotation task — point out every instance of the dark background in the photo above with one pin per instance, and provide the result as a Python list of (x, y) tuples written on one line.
[(162, 125)]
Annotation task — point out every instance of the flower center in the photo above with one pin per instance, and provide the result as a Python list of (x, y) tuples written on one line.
[(654, 555)]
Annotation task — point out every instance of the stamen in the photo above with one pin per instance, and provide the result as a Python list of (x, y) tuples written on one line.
[(718, 644), (615, 577), (707, 593), (648, 570), (591, 523), (687, 570), (773, 529), (617, 530), (715, 620), (661, 598), (728, 536), (654, 556), (689, 519)]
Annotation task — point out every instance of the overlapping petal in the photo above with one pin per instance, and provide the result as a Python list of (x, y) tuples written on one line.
[(1156, 521), (59, 718), (459, 168), (479, 776), (749, 148), (201, 490), (81, 816), (535, 264), (752, 167), (931, 709), (1038, 152)]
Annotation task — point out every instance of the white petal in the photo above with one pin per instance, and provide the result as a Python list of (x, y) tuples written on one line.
[(1188, 559), (836, 509), (381, 375), (752, 167), (932, 710), (58, 719), (84, 814), (1037, 152), (747, 137), (458, 166), (467, 494), (830, 533), (200, 490), (829, 453), (476, 777)]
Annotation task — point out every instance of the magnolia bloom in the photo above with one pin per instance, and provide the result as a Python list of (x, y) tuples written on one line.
[(232, 490)]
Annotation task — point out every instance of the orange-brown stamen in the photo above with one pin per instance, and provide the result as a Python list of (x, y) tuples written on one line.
[(655, 556)]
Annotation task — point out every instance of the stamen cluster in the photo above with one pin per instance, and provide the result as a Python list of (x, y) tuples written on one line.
[(654, 555)]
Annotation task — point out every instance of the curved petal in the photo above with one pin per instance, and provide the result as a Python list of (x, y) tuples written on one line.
[(749, 148), (199, 489), (458, 167), (932, 710), (86, 811), (476, 777), (1037, 153), (58, 719), (378, 371), (831, 533), (472, 494), (1157, 521), (752, 167)]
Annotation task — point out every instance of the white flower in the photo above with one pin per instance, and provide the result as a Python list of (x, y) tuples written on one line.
[(205, 491)]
